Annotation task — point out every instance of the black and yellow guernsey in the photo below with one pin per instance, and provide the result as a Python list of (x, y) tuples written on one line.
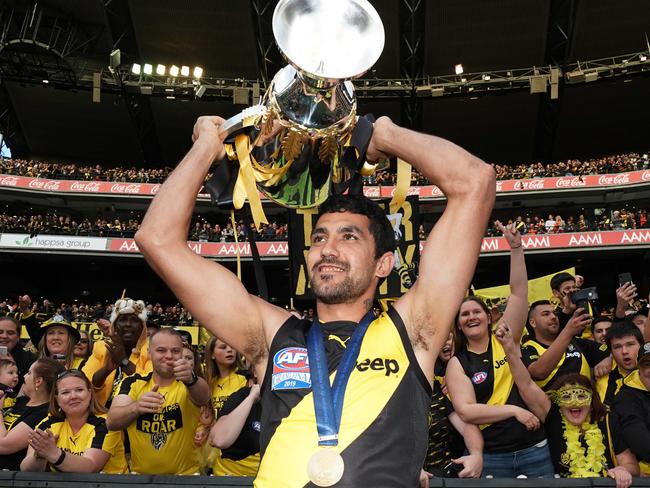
[(383, 433), (493, 385), (581, 355)]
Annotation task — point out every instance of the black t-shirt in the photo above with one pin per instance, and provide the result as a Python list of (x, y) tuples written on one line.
[(578, 350), (557, 444), (31, 416), (248, 442)]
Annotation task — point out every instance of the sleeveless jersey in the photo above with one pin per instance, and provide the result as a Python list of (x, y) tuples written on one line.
[(383, 433), (163, 443), (94, 434), (493, 385)]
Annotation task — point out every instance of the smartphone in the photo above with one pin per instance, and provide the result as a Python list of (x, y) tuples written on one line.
[(3, 351), (624, 278), (452, 469)]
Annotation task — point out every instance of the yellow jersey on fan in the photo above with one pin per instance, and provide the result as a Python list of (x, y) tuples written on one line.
[(94, 434), (163, 442)]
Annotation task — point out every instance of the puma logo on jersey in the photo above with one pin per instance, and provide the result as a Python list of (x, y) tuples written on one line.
[(391, 366), (343, 343)]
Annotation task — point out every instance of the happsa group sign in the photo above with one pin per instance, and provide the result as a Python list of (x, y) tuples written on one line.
[(67, 243)]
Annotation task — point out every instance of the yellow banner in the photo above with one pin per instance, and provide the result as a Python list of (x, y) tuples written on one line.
[(538, 289)]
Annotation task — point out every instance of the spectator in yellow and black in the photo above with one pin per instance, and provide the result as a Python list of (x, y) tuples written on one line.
[(632, 409), (449, 436), (562, 286), (237, 432), (74, 437), (31, 408), (581, 441), (482, 389), (10, 338), (123, 352), (29, 316), (599, 328), (222, 374), (160, 411), (8, 382), (551, 352), (58, 341), (82, 350), (624, 339)]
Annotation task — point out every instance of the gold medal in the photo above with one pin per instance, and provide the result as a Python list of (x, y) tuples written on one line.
[(325, 467)]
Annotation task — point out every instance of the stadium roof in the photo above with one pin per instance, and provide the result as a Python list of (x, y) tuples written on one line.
[(231, 39)]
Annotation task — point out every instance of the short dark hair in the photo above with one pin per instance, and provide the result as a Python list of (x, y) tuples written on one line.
[(626, 328), (167, 331), (380, 227), (531, 309), (558, 279), (13, 321)]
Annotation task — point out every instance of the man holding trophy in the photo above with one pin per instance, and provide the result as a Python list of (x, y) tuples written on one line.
[(344, 398)]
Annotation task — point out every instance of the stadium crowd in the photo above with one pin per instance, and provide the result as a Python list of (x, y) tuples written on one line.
[(579, 379), (201, 230), (70, 171)]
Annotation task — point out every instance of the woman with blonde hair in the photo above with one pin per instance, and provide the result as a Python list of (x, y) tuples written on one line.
[(74, 437), (221, 372)]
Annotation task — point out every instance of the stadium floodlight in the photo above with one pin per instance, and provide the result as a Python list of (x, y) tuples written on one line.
[(147, 69), (459, 69), (198, 72), (174, 70), (185, 71), (160, 69), (643, 58), (45, 82), (486, 77), (136, 69)]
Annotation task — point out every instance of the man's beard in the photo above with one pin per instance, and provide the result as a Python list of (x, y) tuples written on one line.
[(343, 292)]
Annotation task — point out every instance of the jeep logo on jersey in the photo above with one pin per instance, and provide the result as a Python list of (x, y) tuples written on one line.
[(479, 377), (291, 369), (390, 366)]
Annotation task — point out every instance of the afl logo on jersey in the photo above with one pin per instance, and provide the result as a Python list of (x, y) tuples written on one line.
[(479, 377), (291, 369)]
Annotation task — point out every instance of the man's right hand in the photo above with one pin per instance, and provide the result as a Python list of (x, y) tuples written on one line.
[(206, 129), (578, 322), (150, 402), (625, 294)]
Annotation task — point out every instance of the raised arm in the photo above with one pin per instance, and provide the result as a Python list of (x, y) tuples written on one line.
[(452, 248), (228, 427), (516, 311), (534, 397), (547, 362), (469, 410), (212, 293)]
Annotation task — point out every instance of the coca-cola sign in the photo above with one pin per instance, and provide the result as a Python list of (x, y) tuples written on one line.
[(618, 179), (90, 187), (537, 184), (570, 182), (9, 181), (130, 188), (49, 185)]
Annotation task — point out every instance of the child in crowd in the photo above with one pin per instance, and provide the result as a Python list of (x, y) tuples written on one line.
[(8, 381)]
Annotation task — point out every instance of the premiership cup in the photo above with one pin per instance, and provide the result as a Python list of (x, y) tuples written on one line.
[(304, 139)]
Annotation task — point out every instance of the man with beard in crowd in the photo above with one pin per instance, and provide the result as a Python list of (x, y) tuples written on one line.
[(389, 390)]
